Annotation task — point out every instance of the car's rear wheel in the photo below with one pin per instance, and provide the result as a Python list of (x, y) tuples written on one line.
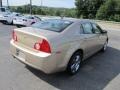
[(10, 23), (32, 23), (4, 22), (74, 63)]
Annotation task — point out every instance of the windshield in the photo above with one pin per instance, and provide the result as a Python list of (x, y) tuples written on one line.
[(53, 25)]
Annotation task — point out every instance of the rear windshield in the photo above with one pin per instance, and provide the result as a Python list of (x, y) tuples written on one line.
[(53, 25)]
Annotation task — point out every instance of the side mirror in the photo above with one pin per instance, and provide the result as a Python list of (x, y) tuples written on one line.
[(104, 31)]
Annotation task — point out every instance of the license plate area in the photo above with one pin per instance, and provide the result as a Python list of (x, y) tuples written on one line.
[(20, 54)]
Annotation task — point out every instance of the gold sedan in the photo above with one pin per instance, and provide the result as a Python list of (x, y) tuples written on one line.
[(58, 44)]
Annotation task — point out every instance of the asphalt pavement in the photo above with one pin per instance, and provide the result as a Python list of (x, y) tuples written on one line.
[(101, 71)]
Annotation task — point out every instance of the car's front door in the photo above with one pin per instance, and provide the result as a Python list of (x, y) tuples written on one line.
[(101, 38), (89, 39)]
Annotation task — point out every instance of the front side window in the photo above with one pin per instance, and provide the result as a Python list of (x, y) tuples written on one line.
[(87, 28), (56, 25), (96, 28)]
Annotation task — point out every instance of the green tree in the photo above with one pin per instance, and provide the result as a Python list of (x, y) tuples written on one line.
[(58, 13), (79, 7), (93, 6), (107, 10), (19, 9), (88, 8)]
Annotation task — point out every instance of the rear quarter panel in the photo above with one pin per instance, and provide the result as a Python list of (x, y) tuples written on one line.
[(66, 43)]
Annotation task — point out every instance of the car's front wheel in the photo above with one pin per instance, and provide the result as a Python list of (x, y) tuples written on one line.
[(74, 63), (105, 46), (18, 26)]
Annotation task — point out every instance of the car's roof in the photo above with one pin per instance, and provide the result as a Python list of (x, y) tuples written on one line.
[(74, 20), (26, 16), (77, 20), (29, 16), (15, 13)]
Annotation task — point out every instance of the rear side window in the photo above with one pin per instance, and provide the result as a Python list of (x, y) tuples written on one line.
[(31, 17), (87, 28), (81, 29)]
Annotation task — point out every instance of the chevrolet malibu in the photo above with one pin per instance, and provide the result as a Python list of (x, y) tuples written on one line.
[(58, 44)]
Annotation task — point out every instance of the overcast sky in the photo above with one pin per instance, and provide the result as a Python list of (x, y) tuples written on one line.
[(51, 3)]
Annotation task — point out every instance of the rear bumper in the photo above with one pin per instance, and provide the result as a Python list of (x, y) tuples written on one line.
[(3, 21), (19, 23), (42, 61)]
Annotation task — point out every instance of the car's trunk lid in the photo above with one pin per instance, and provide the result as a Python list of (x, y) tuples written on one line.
[(28, 36)]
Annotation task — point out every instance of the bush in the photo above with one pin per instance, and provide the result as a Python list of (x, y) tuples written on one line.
[(111, 18), (101, 14), (117, 18), (90, 16)]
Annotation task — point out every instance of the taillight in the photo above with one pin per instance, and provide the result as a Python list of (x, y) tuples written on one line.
[(43, 46), (14, 36)]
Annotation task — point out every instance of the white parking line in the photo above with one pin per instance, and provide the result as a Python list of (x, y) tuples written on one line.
[(114, 84)]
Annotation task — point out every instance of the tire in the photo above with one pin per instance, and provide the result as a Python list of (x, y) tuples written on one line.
[(32, 23), (10, 23), (104, 46), (18, 26), (4, 22), (74, 63)]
